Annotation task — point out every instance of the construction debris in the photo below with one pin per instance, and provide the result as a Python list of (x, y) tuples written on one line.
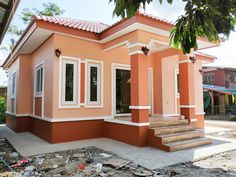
[(88, 161), (92, 161)]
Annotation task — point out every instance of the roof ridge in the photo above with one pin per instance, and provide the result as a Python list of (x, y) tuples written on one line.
[(67, 19)]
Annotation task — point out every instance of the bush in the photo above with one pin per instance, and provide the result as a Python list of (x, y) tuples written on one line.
[(233, 118), (3, 105)]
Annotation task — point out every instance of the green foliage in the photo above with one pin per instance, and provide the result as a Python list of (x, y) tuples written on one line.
[(127, 8), (3, 103), (202, 18), (49, 9), (233, 118)]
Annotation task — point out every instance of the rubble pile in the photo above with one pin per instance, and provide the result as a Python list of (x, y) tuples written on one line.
[(92, 161), (88, 161)]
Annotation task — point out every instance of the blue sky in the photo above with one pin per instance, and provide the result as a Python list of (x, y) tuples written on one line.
[(101, 10)]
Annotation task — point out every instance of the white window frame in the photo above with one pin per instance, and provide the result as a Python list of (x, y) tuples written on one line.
[(176, 83), (13, 89), (99, 64), (39, 94), (114, 67), (38, 67), (62, 104)]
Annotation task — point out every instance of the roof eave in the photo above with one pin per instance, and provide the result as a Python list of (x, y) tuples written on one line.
[(8, 17)]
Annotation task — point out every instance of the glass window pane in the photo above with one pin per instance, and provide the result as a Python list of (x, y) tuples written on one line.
[(93, 83), (41, 79), (177, 83), (13, 84), (122, 91), (69, 82), (37, 80)]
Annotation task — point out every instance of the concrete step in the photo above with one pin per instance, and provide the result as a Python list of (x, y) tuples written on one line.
[(181, 145), (173, 129), (162, 123), (173, 137)]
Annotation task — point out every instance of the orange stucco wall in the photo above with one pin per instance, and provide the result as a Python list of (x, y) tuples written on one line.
[(25, 90), (45, 53)]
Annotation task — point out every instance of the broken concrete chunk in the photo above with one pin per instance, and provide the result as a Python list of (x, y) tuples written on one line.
[(14, 154), (221, 133), (115, 162), (78, 155), (143, 173), (58, 156), (30, 168), (105, 155)]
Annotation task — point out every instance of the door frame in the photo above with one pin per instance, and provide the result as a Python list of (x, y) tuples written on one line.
[(113, 88)]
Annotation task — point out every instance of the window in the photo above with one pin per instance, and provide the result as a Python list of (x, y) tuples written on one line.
[(177, 83), (13, 91), (39, 80), (94, 83), (69, 82)]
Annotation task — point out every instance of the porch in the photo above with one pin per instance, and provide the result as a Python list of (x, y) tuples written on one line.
[(165, 133)]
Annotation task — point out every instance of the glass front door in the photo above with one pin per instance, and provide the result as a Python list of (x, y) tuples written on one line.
[(122, 91)]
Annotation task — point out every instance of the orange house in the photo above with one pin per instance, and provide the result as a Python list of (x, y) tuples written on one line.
[(74, 79)]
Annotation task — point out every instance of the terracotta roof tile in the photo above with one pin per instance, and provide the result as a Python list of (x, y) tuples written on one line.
[(91, 26)]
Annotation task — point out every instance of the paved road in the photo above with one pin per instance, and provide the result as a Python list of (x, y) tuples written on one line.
[(221, 124)]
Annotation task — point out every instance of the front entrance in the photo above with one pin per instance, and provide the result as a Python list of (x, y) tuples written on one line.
[(121, 90)]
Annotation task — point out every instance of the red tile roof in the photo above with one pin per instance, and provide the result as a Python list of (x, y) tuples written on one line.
[(91, 26)]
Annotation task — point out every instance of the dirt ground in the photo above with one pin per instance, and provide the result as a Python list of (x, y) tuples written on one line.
[(92, 161)]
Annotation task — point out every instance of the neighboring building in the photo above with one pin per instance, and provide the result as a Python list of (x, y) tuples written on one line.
[(76, 79), (220, 76), (220, 82)]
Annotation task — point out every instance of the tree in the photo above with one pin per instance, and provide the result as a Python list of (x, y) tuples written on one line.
[(49, 9), (3, 103), (214, 19)]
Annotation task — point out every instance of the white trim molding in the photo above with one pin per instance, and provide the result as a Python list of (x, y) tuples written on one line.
[(176, 82), (166, 115), (200, 113), (100, 80), (187, 106), (62, 104), (114, 67), (68, 119), (193, 120), (124, 43), (135, 52), (127, 122), (184, 61), (13, 85), (139, 107)]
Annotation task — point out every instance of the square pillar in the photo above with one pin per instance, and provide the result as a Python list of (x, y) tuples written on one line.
[(187, 92), (139, 88)]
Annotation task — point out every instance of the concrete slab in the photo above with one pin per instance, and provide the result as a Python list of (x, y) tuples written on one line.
[(221, 123), (27, 144), (215, 129)]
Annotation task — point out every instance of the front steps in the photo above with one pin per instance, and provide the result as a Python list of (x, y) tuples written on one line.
[(173, 135)]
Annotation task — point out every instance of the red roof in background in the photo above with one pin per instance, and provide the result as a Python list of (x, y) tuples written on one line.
[(91, 26)]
